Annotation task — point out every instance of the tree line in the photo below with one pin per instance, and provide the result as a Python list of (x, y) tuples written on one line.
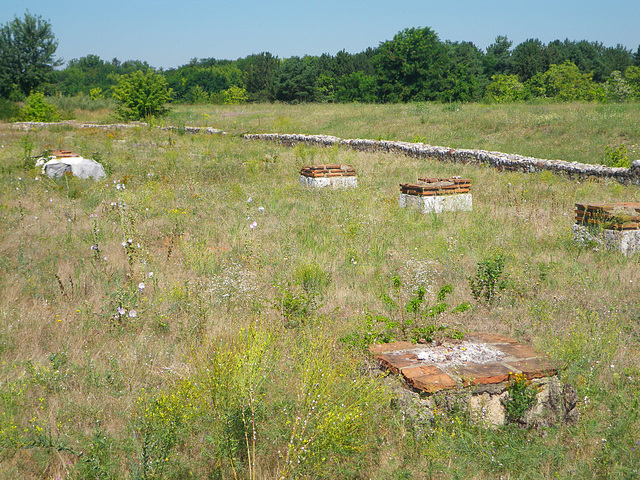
[(416, 65)]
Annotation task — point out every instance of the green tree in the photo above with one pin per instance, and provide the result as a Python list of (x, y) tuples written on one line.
[(616, 58), (141, 95), (565, 82), (357, 87), (260, 73), (27, 55), (412, 66), (632, 77), (497, 60), (297, 79), (209, 76), (504, 88), (85, 73), (587, 56), (464, 80), (528, 59)]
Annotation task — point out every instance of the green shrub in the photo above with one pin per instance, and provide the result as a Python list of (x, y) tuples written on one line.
[(405, 322), (141, 95), (522, 396), (37, 109), (616, 157), (8, 109), (489, 279), (504, 89), (235, 95)]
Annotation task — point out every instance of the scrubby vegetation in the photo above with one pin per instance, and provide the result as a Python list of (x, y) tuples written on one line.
[(190, 315)]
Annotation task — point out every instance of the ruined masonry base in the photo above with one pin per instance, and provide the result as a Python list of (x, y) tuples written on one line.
[(625, 241), (335, 182), (438, 203), (555, 404)]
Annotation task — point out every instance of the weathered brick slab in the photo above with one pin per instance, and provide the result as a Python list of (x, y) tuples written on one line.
[(428, 378), (436, 186), (611, 216), (534, 368), (481, 359), (483, 374), (395, 362), (390, 347), (518, 350), (328, 170), (490, 338)]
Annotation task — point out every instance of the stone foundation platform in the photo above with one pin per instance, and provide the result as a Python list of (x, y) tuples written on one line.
[(474, 375)]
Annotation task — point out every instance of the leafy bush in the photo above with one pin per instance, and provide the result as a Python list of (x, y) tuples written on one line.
[(504, 89), (141, 95), (37, 109), (412, 327), (489, 279), (96, 93), (235, 95), (8, 109), (617, 88), (566, 83), (616, 157), (522, 396)]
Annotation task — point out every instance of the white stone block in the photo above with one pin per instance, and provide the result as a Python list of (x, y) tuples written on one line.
[(334, 182), (626, 242), (461, 202)]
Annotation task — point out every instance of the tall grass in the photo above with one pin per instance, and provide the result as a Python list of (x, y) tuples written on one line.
[(572, 132), (142, 332)]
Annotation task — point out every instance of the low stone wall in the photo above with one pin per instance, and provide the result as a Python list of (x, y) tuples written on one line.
[(501, 161), (26, 126)]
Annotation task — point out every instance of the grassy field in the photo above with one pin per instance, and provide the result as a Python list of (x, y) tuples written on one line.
[(572, 132), (186, 317)]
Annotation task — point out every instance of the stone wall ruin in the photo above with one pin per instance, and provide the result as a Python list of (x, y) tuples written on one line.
[(501, 161)]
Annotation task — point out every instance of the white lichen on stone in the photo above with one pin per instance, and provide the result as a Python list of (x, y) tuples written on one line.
[(460, 354)]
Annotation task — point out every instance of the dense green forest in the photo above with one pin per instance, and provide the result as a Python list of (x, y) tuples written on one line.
[(416, 65)]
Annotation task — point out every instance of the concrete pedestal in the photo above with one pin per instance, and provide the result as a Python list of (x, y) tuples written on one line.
[(626, 242), (438, 203)]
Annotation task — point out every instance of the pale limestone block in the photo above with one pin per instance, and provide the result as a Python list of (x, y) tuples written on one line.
[(461, 202), (487, 409), (626, 242)]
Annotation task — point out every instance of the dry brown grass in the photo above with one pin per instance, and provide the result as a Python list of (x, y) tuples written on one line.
[(186, 203)]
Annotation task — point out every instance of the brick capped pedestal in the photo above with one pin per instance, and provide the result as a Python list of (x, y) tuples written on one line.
[(437, 195), (474, 373), (329, 175), (615, 226)]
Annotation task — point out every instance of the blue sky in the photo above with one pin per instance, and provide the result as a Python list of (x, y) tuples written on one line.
[(170, 33)]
